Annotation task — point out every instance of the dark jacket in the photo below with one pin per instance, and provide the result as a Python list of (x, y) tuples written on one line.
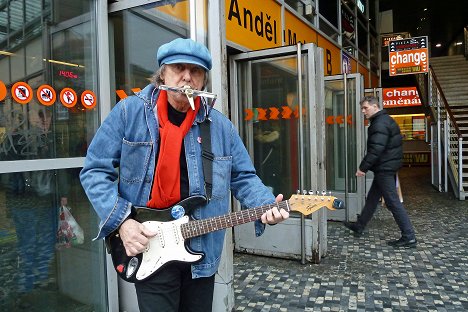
[(384, 145)]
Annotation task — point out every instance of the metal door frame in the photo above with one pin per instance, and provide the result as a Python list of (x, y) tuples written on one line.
[(314, 83), (355, 205), (315, 87)]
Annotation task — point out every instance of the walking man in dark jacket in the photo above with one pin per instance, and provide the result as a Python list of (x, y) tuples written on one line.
[(383, 157)]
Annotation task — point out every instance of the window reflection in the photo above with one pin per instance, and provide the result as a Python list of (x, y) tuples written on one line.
[(305, 8), (134, 67), (37, 272)]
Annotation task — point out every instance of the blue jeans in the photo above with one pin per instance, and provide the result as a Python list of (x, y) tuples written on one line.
[(384, 185)]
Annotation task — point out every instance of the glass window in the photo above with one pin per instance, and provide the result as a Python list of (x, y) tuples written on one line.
[(305, 8), (331, 31), (336, 143), (412, 126), (73, 69), (46, 266), (34, 56), (68, 9), (17, 63), (46, 124), (362, 38), (135, 66), (372, 14), (329, 10), (374, 47), (348, 25), (270, 120)]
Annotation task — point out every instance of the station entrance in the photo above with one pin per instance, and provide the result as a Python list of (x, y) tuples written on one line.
[(305, 133)]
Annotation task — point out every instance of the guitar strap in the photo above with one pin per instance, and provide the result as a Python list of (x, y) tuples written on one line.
[(207, 157)]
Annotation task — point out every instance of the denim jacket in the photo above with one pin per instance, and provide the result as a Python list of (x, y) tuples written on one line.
[(120, 162)]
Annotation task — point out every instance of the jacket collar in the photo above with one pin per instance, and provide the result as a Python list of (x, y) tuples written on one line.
[(380, 112), (150, 96)]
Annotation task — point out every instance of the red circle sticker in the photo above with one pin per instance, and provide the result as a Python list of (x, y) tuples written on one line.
[(3, 91), (88, 99), (21, 92), (46, 95), (68, 97)]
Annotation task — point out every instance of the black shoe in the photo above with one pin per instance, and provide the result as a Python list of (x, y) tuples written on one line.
[(403, 242), (358, 231)]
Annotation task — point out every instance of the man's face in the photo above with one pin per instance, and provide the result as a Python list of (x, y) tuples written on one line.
[(369, 109), (180, 75)]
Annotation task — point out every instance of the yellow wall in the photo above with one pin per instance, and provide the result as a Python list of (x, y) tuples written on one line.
[(257, 25)]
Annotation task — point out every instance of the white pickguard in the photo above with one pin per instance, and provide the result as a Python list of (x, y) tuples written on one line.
[(168, 245)]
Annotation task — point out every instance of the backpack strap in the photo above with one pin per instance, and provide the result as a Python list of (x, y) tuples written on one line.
[(207, 157)]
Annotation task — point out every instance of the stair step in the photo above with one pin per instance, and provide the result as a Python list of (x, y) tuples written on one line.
[(452, 71), (459, 108), (448, 86), (449, 78), (447, 58)]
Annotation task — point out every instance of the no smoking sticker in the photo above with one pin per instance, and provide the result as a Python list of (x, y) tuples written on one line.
[(68, 97), (46, 95), (21, 92), (88, 99)]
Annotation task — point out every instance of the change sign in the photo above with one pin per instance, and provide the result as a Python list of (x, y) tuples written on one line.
[(408, 56)]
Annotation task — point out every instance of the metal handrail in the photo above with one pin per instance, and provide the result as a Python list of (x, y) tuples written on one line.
[(433, 98), (444, 100), (465, 41)]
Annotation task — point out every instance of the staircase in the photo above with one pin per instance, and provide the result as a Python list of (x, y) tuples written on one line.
[(452, 74)]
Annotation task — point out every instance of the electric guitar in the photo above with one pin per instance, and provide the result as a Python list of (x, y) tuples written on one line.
[(174, 227)]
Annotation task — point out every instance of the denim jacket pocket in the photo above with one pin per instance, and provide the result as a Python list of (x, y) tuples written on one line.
[(221, 176), (134, 160)]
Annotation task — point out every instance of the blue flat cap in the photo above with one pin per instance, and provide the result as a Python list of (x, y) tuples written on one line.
[(184, 51)]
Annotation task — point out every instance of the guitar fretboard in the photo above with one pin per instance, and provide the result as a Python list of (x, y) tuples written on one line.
[(200, 227)]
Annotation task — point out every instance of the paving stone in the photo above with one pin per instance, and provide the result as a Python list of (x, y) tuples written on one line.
[(364, 274)]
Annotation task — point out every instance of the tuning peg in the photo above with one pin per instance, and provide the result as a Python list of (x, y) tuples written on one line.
[(304, 192)]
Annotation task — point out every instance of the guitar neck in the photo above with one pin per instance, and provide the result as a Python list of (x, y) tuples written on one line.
[(200, 227)]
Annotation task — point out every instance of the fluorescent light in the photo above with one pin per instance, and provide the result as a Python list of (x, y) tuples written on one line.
[(438, 45), (6, 53), (63, 63), (459, 43)]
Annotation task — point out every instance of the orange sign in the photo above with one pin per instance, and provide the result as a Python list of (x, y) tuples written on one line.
[(88, 99), (400, 97), (46, 95), (408, 56), (21, 92), (253, 24), (272, 113), (340, 119), (68, 97), (3, 91)]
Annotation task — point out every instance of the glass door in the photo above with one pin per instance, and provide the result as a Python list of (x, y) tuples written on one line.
[(276, 105), (275, 110), (344, 141)]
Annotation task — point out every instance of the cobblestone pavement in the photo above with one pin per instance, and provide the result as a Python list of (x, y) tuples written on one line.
[(364, 274)]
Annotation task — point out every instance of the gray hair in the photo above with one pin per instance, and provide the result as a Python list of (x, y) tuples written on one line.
[(369, 99), (157, 80)]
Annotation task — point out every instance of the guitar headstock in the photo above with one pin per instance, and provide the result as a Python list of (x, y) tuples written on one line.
[(307, 204)]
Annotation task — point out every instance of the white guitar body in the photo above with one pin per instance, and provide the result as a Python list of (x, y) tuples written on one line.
[(168, 245)]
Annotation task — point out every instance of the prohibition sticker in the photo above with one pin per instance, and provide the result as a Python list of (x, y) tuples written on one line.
[(68, 97), (21, 92), (46, 95), (88, 99), (3, 91)]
